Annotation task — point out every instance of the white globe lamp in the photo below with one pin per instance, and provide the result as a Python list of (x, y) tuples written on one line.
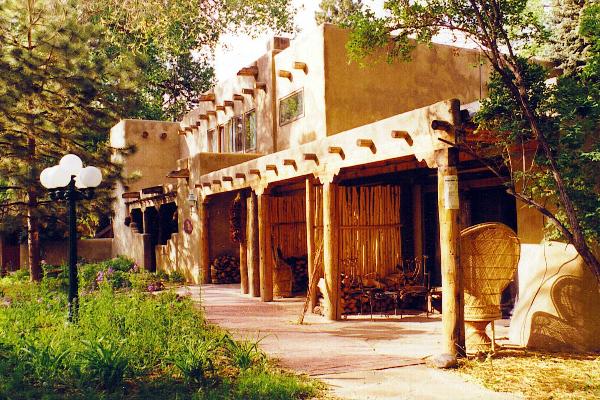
[(90, 177), (71, 164)]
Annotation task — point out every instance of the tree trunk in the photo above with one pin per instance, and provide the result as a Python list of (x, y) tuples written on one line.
[(33, 240), (33, 229)]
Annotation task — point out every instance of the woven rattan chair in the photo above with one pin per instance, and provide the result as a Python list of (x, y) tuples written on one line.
[(489, 254)]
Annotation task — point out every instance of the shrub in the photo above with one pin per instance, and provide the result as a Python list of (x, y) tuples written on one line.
[(177, 277), (104, 362), (244, 353)]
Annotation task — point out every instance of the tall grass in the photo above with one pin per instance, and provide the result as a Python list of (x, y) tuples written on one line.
[(126, 344)]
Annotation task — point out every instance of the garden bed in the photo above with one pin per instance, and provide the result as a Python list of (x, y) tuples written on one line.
[(126, 344)]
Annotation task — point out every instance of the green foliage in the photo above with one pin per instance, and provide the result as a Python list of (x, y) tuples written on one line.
[(126, 344), (337, 12), (104, 363), (174, 39), (258, 384), (176, 277), (568, 47), (244, 353)]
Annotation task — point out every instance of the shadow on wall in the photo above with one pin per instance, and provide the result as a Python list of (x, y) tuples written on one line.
[(567, 331)]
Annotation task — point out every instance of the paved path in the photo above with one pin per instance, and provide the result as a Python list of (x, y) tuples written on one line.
[(359, 358)]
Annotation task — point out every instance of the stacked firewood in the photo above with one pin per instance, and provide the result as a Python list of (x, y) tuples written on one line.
[(353, 295), (299, 267), (225, 269)]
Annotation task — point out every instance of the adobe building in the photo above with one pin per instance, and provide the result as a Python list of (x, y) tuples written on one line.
[(326, 158)]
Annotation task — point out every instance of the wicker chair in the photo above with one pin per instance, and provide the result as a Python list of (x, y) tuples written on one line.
[(489, 254)]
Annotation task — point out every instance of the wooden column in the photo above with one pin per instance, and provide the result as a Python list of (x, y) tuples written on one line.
[(452, 288), (204, 250), (310, 239), (252, 245), (244, 251), (330, 252), (264, 243)]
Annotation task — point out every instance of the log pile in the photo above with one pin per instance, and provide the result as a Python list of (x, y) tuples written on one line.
[(225, 269), (353, 296)]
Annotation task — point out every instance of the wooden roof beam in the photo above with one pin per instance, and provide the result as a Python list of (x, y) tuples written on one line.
[(227, 179), (301, 66), (254, 172), (220, 107), (228, 103), (311, 157), (249, 71), (402, 135), (261, 86), (248, 91), (441, 125), (208, 97), (238, 97), (272, 167), (285, 74), (290, 163), (211, 113), (131, 195), (239, 175), (368, 143), (337, 150)]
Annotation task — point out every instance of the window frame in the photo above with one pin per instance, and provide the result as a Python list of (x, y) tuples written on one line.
[(297, 117), (245, 117)]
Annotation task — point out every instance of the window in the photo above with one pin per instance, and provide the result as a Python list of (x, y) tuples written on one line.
[(237, 134), (250, 131), (222, 139), (213, 142), (291, 107)]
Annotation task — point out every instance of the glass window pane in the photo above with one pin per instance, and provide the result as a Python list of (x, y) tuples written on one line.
[(291, 107), (250, 131), (238, 134)]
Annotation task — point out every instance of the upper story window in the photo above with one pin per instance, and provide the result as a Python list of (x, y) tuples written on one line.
[(213, 142), (222, 139), (250, 131), (237, 134), (291, 107)]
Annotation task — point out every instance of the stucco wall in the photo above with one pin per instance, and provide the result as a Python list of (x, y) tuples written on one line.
[(154, 156), (356, 96), (558, 298), (56, 252), (308, 49)]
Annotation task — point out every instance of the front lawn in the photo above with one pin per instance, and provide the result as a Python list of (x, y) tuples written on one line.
[(128, 344)]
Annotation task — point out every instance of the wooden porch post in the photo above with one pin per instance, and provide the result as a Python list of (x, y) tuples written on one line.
[(330, 251), (204, 250), (264, 242), (243, 251), (452, 286), (252, 245), (310, 239)]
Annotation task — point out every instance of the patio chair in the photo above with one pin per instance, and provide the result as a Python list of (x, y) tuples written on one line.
[(489, 256)]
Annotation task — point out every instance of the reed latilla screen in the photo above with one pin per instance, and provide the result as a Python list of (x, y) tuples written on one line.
[(489, 254)]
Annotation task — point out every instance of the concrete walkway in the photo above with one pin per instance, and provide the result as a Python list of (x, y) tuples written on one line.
[(359, 358)]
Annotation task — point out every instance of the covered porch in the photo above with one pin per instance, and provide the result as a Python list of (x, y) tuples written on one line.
[(338, 200)]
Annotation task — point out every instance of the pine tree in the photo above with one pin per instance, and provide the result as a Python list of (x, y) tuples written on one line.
[(568, 48), (337, 11), (58, 94)]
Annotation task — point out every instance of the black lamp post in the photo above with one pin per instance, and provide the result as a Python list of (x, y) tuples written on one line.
[(70, 182)]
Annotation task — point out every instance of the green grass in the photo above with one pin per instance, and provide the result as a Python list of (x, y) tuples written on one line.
[(538, 376), (127, 344)]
